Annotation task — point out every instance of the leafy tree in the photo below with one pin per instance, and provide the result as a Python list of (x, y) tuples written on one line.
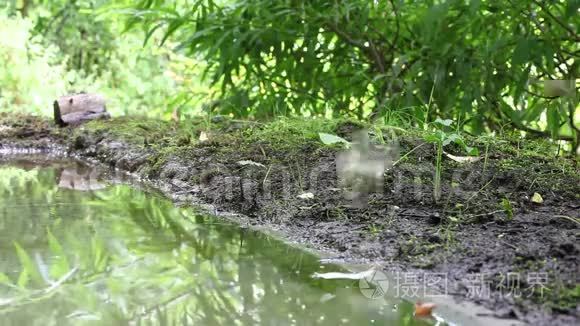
[(478, 61), (45, 54)]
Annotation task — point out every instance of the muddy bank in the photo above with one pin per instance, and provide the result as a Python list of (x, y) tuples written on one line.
[(486, 238)]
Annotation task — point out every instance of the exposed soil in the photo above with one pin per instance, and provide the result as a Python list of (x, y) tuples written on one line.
[(485, 233)]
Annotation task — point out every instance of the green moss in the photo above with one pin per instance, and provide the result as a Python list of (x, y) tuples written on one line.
[(566, 297), (532, 162), (137, 131), (542, 173), (156, 162), (292, 133)]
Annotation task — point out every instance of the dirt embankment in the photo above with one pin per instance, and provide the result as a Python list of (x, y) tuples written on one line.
[(489, 236)]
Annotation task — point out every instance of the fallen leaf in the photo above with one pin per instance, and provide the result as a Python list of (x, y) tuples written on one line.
[(423, 309), (306, 195), (344, 276), (463, 159), (175, 115), (537, 198), (248, 162), (203, 136), (327, 297), (446, 122)]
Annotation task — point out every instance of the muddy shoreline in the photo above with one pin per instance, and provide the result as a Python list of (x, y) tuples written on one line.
[(519, 260)]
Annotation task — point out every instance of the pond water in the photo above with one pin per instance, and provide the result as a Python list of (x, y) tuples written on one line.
[(78, 250)]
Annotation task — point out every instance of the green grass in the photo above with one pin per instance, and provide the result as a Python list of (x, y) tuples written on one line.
[(289, 133)]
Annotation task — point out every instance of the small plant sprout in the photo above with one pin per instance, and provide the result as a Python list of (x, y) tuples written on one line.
[(441, 138), (507, 208)]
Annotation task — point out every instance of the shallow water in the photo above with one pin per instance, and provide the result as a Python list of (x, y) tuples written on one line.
[(75, 249)]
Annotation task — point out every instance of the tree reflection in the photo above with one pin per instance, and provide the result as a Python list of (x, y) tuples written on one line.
[(120, 256)]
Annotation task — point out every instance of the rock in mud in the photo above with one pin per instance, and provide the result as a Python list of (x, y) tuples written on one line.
[(79, 108)]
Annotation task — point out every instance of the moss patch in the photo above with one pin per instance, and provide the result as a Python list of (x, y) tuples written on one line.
[(469, 231)]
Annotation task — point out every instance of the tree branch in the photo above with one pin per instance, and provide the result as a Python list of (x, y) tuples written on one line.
[(558, 21), (398, 27)]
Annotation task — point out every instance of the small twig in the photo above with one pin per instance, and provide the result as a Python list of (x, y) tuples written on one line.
[(350, 229), (263, 151), (407, 154), (486, 214), (398, 28), (404, 213), (558, 21), (480, 190), (569, 218), (165, 303), (267, 174), (509, 245), (39, 293)]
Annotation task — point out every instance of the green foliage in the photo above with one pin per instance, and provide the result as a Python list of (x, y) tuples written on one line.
[(441, 135), (46, 54), (406, 63), (508, 209), (12, 179), (87, 41), (30, 73), (477, 62)]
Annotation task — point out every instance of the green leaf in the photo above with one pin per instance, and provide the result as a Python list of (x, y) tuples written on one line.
[(4, 279), (508, 209), (23, 279), (446, 122), (151, 31), (471, 150), (329, 139), (61, 265), (173, 26), (572, 8), (521, 52), (448, 139), (436, 137), (553, 120), (535, 109), (521, 84), (100, 257), (29, 270)]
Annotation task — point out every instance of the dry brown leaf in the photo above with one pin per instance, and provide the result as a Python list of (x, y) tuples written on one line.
[(175, 115), (203, 136), (423, 309), (463, 159)]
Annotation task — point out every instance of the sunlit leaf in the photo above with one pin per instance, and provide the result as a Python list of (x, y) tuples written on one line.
[(151, 31), (329, 139), (4, 279), (173, 26), (537, 198), (446, 122)]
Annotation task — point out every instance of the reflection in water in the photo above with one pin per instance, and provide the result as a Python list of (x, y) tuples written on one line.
[(117, 256), (79, 177)]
